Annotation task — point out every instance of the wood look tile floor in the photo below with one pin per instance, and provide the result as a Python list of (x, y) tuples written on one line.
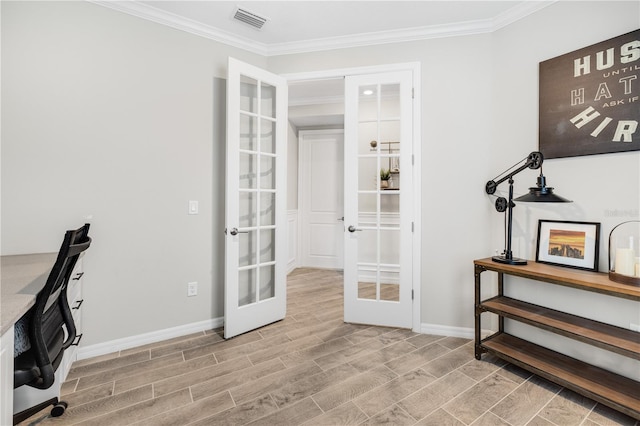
[(313, 369)]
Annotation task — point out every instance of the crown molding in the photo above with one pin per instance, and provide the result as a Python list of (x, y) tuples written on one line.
[(159, 16), (381, 37), (168, 19), (521, 11)]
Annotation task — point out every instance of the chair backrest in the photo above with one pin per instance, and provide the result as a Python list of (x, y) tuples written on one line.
[(51, 310)]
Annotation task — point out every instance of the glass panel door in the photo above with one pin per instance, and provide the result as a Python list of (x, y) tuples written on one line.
[(255, 288), (378, 207)]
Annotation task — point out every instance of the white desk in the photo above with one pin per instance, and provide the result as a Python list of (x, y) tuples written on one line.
[(22, 277)]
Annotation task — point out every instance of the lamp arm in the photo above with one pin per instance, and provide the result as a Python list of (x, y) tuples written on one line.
[(533, 161)]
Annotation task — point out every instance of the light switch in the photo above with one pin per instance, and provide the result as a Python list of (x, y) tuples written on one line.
[(193, 207)]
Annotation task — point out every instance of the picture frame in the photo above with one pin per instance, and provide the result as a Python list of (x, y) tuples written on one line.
[(569, 244), (584, 106)]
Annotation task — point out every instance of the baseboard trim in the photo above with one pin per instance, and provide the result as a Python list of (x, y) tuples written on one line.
[(446, 330), (146, 338), (183, 330)]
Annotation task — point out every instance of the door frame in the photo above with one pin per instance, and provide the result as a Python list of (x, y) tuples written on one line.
[(415, 68)]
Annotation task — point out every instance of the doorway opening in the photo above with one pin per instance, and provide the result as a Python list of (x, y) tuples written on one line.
[(316, 110)]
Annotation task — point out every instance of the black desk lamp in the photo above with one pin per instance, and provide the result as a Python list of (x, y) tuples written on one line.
[(540, 193)]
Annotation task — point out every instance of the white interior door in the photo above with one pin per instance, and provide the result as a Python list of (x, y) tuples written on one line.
[(378, 215), (255, 216), (321, 198)]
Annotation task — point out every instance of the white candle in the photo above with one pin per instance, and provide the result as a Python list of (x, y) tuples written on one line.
[(625, 261), (637, 267)]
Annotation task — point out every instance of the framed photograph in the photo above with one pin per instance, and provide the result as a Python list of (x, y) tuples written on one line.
[(570, 244)]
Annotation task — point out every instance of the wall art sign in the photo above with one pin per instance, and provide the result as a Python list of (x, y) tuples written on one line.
[(590, 99)]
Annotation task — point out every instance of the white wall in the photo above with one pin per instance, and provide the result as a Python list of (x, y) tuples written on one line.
[(121, 119), (592, 182)]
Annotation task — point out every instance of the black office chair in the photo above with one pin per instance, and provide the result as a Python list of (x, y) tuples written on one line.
[(37, 365)]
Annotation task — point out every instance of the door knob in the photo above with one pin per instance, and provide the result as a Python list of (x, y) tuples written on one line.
[(352, 228), (341, 219), (234, 231)]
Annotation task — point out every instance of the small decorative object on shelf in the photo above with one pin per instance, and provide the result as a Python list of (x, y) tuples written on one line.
[(624, 253), (385, 175)]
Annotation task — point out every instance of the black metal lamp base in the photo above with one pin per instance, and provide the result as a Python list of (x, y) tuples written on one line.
[(509, 261)]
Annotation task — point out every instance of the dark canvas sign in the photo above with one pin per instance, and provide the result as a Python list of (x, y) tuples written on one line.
[(590, 99)]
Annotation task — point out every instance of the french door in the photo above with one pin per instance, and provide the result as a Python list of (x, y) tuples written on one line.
[(255, 216), (378, 197)]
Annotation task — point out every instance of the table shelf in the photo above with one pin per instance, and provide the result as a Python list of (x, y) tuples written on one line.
[(616, 339), (613, 390)]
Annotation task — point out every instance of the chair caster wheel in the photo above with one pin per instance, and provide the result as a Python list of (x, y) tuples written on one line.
[(58, 409)]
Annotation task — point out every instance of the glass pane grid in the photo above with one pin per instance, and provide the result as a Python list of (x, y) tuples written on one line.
[(257, 178), (378, 201), (256, 266)]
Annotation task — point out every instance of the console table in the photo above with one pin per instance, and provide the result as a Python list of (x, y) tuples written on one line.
[(606, 387)]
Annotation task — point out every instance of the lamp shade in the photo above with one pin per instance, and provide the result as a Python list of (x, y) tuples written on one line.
[(541, 193)]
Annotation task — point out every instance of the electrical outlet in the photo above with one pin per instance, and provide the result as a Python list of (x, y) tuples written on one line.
[(192, 289), (634, 327)]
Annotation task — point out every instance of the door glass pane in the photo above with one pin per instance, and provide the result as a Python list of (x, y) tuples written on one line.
[(390, 248), (367, 208), (246, 287), (367, 263), (248, 171), (248, 209), (267, 245), (367, 289), (368, 103), (389, 292), (247, 248), (389, 133), (248, 94), (268, 100), (390, 207), (368, 174), (390, 101), (267, 172), (367, 246), (267, 282), (267, 135), (267, 208), (368, 138), (248, 133)]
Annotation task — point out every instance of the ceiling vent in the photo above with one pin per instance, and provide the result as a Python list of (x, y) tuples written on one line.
[(250, 18)]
